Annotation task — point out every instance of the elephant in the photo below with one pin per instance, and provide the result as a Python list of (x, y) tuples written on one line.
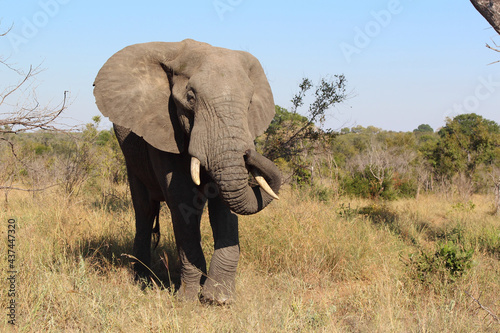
[(186, 115)]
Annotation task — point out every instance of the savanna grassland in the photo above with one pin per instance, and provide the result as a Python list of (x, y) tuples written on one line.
[(308, 264), (376, 231)]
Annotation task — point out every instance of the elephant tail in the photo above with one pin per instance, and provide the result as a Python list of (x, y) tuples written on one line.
[(155, 232)]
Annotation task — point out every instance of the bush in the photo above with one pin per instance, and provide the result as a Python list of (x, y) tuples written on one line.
[(449, 262), (365, 185), (301, 175)]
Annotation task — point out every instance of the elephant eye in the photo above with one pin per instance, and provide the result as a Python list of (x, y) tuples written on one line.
[(191, 98)]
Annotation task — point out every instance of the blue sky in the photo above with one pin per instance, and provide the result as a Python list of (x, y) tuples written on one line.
[(406, 62)]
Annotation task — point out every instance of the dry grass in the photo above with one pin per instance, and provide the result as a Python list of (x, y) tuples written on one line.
[(305, 266)]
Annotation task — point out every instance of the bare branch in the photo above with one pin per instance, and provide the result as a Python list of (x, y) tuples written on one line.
[(7, 31), (28, 189), (492, 48), (33, 118), (27, 115), (18, 86), (494, 316)]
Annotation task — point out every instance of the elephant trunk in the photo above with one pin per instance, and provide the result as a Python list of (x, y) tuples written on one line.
[(222, 144), (232, 178)]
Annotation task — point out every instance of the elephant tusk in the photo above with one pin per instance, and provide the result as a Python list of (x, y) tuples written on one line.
[(195, 170), (264, 185)]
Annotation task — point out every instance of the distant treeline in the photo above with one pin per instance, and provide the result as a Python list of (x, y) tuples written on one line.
[(463, 158)]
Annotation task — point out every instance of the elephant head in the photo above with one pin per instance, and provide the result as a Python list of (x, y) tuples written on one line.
[(190, 97)]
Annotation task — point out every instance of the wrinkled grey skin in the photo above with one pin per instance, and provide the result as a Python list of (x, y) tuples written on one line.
[(170, 102)]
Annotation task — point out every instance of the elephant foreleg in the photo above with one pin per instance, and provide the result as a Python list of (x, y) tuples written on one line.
[(186, 223), (219, 286)]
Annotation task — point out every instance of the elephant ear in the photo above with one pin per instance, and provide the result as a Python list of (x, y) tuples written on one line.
[(261, 110), (132, 89)]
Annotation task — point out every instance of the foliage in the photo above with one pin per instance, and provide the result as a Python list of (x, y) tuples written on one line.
[(424, 128), (363, 162), (462, 158), (88, 160), (374, 163), (449, 262), (293, 138), (466, 142)]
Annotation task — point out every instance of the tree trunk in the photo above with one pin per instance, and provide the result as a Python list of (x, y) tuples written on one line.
[(490, 10)]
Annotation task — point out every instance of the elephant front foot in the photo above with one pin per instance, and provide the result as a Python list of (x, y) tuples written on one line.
[(217, 293), (220, 285), (190, 278), (190, 293)]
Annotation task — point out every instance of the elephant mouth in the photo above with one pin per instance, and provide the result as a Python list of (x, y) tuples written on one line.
[(259, 178), (261, 169)]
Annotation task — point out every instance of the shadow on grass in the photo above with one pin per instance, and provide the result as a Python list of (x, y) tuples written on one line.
[(107, 253)]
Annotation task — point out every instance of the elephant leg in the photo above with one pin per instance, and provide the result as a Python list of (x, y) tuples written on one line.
[(186, 223), (219, 286), (146, 210), (186, 206)]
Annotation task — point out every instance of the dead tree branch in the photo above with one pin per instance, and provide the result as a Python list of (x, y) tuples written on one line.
[(20, 111), (494, 316), (28, 115), (28, 189), (27, 119)]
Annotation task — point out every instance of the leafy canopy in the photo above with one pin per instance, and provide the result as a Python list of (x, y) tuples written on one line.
[(466, 141)]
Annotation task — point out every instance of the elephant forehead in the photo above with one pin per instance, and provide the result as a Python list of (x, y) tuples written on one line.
[(222, 77)]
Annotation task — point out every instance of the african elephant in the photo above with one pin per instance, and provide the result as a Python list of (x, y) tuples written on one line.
[(185, 115)]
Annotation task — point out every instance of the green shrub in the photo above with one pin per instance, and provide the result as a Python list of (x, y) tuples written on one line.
[(301, 176), (364, 184), (356, 185), (449, 262)]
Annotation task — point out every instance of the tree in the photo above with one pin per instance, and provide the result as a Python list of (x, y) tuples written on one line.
[(423, 128), (292, 137), (467, 142), (490, 10), (20, 111), (385, 159)]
